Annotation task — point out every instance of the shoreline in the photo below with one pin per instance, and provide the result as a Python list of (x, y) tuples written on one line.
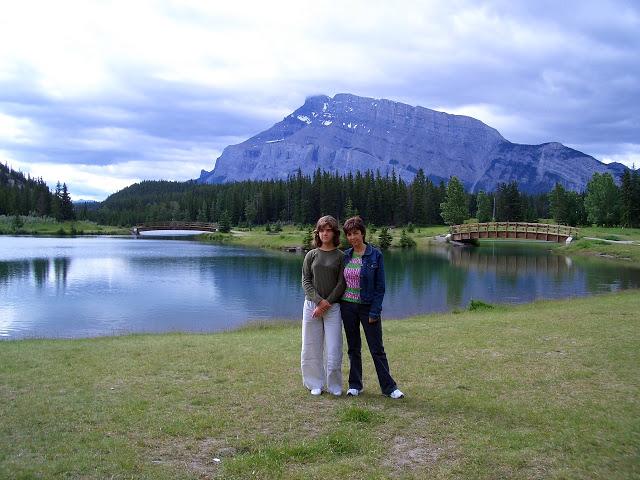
[(618, 244), (282, 323)]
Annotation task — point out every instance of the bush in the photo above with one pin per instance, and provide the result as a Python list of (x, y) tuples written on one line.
[(17, 223), (307, 241), (406, 241), (476, 305)]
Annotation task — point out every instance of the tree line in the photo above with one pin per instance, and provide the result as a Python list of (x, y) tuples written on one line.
[(302, 199), (23, 195)]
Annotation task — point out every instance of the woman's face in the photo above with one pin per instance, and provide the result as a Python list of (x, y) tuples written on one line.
[(354, 237), (326, 235)]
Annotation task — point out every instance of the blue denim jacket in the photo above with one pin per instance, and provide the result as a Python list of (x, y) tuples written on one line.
[(372, 284)]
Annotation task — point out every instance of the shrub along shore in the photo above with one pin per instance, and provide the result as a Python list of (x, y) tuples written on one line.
[(544, 390)]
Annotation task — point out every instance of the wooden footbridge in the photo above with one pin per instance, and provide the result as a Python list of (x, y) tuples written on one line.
[(154, 226), (471, 232)]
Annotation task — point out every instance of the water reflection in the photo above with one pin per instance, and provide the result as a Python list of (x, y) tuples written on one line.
[(102, 286), (61, 268)]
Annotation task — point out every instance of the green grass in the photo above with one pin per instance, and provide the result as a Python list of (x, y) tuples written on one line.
[(618, 251), (610, 232), (49, 226), (545, 390), (258, 237)]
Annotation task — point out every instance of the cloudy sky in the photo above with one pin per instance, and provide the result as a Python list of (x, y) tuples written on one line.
[(101, 94)]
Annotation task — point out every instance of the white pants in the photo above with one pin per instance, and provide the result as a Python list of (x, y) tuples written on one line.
[(321, 357)]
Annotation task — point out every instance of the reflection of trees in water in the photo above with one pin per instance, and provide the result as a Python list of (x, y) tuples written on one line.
[(423, 278), (425, 271), (271, 281), (608, 276), (13, 270), (509, 264), (40, 268), (61, 270)]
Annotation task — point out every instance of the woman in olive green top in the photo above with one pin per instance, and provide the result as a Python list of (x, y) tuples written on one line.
[(323, 283)]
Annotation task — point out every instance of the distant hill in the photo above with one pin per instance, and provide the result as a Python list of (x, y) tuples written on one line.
[(347, 133)]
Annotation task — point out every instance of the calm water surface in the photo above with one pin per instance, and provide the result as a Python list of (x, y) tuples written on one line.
[(90, 286)]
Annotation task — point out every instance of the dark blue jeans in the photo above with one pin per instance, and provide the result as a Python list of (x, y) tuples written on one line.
[(354, 315)]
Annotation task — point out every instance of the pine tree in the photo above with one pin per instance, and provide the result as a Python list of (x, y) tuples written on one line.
[(484, 207), (559, 205), (406, 241), (419, 196), (202, 213), (224, 225), (385, 238), (601, 201), (508, 203), (349, 211), (250, 212), (630, 199), (66, 206), (454, 208)]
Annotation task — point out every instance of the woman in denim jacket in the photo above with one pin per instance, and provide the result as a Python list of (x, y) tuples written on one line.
[(361, 304)]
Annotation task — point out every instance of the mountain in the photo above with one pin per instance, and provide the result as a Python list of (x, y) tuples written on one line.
[(347, 133)]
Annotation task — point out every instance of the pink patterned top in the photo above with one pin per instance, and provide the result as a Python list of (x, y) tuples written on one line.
[(352, 279)]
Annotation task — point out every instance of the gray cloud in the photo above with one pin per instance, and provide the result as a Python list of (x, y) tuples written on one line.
[(205, 77)]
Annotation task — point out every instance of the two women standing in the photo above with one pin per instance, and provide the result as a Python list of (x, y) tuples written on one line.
[(357, 280)]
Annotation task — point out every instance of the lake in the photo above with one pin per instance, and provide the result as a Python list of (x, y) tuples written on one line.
[(94, 286)]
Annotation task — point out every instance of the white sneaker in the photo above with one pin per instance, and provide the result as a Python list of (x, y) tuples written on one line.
[(316, 391), (337, 393), (396, 394), (352, 392)]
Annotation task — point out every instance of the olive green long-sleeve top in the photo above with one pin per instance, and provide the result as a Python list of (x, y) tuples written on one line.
[(322, 276)]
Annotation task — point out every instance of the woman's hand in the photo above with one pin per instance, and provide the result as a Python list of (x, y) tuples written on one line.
[(372, 320), (322, 307)]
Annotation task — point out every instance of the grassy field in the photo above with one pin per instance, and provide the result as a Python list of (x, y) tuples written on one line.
[(607, 246), (49, 226), (545, 390)]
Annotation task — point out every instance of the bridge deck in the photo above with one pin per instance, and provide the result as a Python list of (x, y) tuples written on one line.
[(195, 226), (513, 230)]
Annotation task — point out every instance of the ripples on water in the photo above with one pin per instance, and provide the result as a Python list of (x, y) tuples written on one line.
[(81, 287)]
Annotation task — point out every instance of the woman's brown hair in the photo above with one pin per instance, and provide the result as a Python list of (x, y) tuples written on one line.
[(355, 223), (327, 220)]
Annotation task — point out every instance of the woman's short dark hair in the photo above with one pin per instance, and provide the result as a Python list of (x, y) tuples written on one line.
[(323, 222), (355, 223)]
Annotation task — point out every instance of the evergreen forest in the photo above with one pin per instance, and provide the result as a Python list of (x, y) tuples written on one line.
[(23, 195), (301, 200)]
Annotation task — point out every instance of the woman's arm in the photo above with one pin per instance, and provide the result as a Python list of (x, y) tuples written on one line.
[(307, 278), (378, 290)]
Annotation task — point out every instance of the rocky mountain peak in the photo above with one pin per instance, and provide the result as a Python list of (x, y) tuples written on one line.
[(346, 133)]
